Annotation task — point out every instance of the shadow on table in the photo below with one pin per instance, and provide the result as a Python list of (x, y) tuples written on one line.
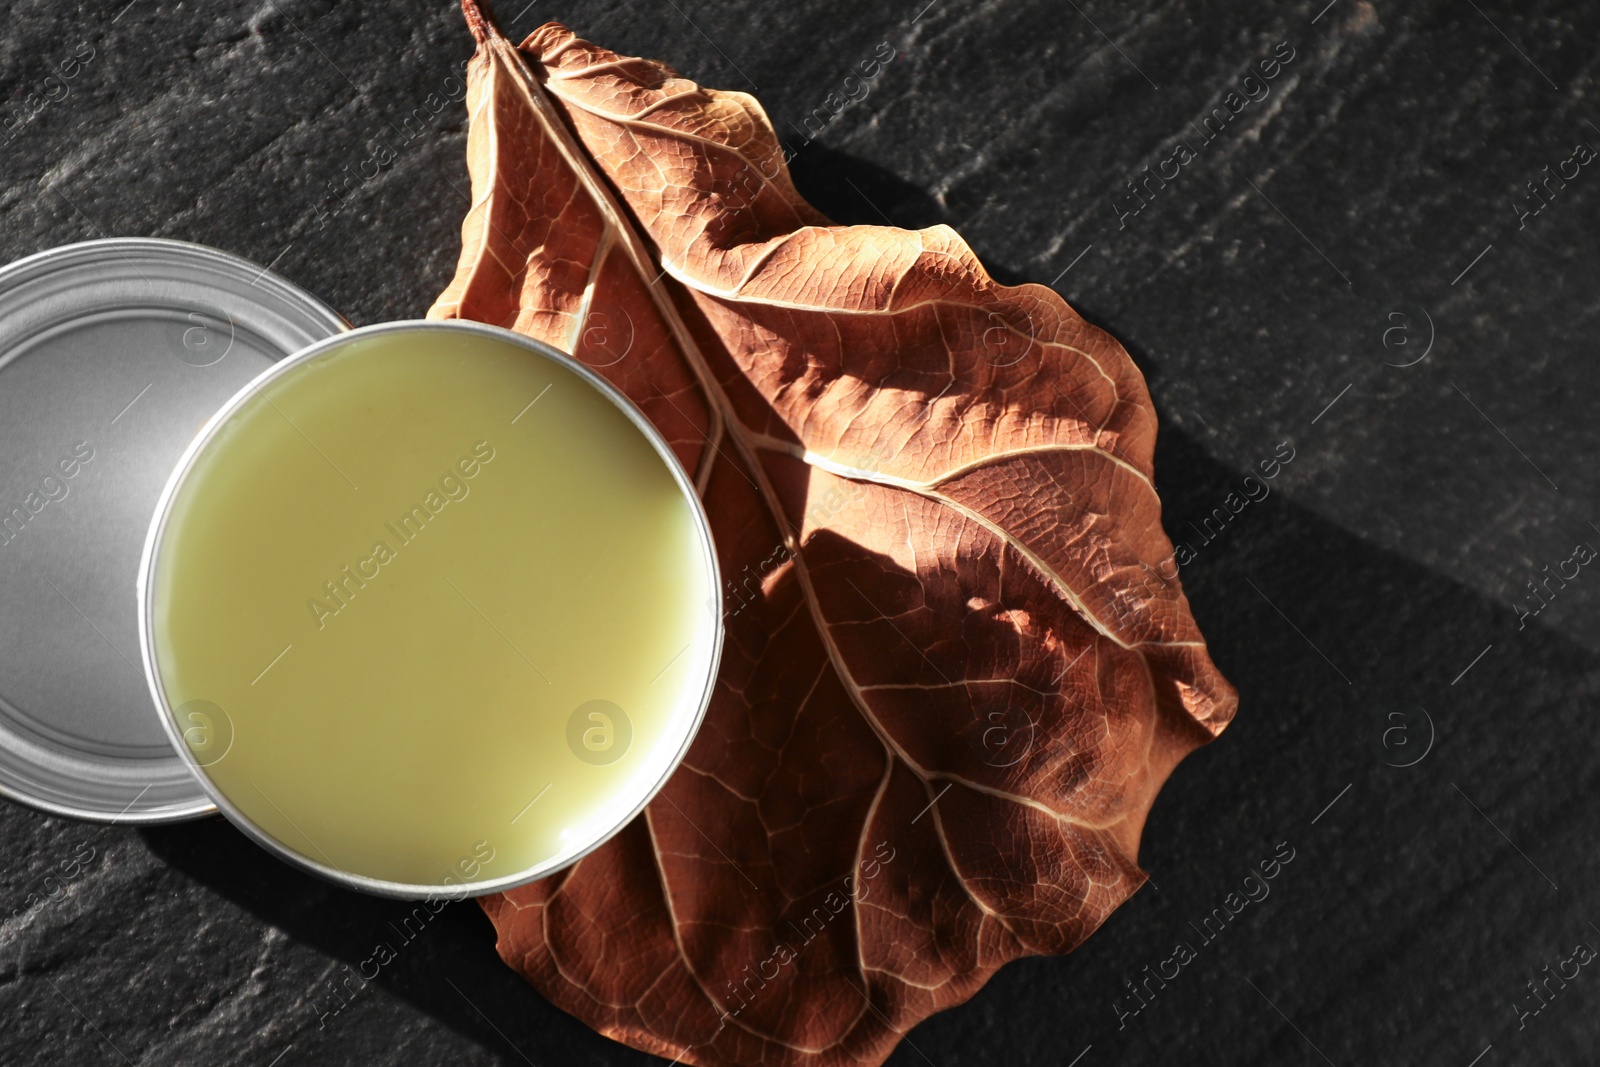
[(852, 191)]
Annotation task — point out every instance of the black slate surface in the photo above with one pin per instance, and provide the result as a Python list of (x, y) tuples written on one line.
[(1367, 606)]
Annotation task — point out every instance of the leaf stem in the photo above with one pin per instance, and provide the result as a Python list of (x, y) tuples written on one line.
[(480, 20)]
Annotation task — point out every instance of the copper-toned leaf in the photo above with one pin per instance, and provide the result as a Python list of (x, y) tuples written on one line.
[(958, 662)]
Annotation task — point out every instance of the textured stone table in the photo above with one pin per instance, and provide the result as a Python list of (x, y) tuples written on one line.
[(1368, 199)]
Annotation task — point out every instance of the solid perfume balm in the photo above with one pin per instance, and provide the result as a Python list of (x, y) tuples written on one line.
[(428, 607)]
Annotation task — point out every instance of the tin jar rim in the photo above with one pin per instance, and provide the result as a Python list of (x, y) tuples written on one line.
[(165, 711)]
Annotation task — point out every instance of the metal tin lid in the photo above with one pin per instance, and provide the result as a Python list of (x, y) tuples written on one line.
[(113, 355)]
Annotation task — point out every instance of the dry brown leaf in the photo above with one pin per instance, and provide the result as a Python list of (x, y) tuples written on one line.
[(955, 673)]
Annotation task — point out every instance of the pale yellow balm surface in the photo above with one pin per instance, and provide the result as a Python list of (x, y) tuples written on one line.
[(430, 609)]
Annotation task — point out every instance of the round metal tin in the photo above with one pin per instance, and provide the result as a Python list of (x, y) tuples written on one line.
[(113, 354), (167, 715)]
